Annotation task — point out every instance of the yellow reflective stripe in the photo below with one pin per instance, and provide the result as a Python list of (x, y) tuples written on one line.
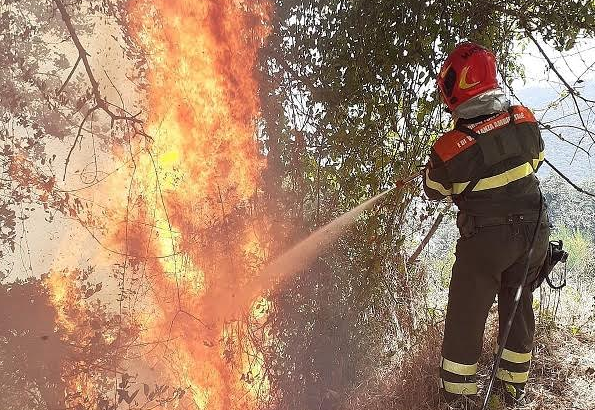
[(459, 368), (436, 186), (514, 357), (539, 159), (512, 377), (495, 181), (504, 178), (459, 388), (458, 187)]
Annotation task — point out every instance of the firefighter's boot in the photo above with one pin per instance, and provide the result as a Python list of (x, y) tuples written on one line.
[(511, 394)]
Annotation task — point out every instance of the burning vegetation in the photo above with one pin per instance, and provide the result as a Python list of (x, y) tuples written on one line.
[(183, 229), (232, 130)]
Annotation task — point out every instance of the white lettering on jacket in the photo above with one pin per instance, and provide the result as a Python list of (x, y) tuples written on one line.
[(496, 124)]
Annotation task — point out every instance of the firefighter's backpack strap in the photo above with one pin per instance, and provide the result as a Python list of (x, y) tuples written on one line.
[(519, 144), (496, 146), (477, 138)]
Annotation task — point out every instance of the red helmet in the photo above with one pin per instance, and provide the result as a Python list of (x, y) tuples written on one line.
[(468, 71)]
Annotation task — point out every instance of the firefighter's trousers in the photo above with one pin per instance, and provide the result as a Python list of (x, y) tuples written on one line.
[(491, 256)]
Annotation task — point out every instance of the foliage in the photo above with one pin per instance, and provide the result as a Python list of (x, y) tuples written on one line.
[(568, 208), (573, 224), (349, 106), (42, 103)]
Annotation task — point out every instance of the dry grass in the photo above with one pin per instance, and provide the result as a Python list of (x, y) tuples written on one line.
[(410, 384), (563, 372), (562, 375)]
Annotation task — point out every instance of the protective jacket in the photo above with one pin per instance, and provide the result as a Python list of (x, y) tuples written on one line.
[(488, 166)]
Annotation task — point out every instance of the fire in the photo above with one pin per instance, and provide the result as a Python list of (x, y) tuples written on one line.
[(181, 211), (68, 296), (61, 287), (196, 181)]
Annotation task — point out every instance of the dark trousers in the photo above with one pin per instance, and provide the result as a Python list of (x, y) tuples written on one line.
[(490, 260)]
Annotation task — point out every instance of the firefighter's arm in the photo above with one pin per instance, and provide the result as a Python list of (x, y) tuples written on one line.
[(541, 151), (436, 181)]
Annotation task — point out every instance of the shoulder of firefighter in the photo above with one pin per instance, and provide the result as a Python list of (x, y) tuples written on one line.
[(488, 165)]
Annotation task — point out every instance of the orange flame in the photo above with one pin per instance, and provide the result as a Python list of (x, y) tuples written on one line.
[(70, 299), (184, 216), (196, 181)]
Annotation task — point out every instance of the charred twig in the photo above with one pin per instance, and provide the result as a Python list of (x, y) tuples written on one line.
[(79, 135), (195, 318), (78, 60), (115, 112)]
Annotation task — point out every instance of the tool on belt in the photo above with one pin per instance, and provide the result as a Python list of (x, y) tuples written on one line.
[(555, 254)]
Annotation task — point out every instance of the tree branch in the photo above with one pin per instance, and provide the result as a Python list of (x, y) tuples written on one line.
[(575, 186), (573, 93), (120, 113), (429, 235), (78, 60), (78, 136)]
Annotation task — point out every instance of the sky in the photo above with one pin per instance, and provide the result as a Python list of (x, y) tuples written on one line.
[(541, 87)]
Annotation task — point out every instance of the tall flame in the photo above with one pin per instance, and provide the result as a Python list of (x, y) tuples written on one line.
[(196, 182), (183, 215)]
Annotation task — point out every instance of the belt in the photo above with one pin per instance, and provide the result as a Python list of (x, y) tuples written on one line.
[(499, 206), (525, 217)]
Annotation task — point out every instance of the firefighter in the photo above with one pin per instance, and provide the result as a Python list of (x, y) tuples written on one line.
[(487, 166)]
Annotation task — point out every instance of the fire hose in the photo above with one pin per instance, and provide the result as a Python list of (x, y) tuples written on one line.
[(303, 253), (517, 298), (557, 254)]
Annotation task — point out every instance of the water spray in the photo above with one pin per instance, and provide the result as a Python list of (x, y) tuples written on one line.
[(301, 255)]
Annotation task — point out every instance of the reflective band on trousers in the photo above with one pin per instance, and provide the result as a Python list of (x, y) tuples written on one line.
[(514, 357), (459, 388), (458, 368), (512, 377)]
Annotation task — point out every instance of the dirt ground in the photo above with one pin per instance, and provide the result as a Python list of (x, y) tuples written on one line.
[(562, 374), (563, 371)]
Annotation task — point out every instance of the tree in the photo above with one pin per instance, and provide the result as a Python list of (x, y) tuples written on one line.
[(45, 99), (349, 106)]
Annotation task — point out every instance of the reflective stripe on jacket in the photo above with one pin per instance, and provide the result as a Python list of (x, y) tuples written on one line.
[(492, 170)]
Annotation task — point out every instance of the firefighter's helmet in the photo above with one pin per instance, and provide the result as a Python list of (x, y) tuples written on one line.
[(469, 70)]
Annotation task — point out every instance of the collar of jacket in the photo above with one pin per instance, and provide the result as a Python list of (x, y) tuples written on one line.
[(477, 120)]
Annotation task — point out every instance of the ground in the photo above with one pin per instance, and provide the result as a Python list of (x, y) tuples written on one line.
[(562, 374)]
